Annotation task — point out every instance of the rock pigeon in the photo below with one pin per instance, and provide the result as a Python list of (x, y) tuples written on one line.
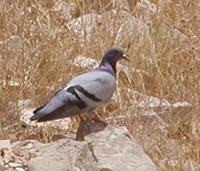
[(84, 92)]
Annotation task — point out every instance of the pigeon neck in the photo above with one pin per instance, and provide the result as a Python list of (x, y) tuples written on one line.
[(105, 66)]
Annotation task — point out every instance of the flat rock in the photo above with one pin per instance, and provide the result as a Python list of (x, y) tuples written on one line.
[(112, 149)]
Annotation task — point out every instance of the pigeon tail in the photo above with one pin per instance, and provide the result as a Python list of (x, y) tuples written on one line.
[(36, 112), (60, 106)]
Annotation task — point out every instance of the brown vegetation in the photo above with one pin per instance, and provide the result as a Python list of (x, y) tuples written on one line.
[(37, 46)]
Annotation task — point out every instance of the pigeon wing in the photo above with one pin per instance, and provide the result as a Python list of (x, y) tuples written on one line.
[(63, 104), (94, 88)]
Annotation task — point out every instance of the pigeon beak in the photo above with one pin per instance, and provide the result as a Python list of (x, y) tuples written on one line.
[(125, 57)]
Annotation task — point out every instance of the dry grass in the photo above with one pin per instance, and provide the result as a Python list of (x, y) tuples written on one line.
[(36, 47)]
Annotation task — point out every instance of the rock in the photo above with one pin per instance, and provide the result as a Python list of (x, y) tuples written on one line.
[(26, 150), (112, 149), (146, 10), (28, 146), (111, 143), (5, 144), (159, 105), (14, 165), (125, 32), (65, 10), (84, 62), (16, 158), (82, 27), (8, 157), (19, 169), (191, 165), (102, 6)]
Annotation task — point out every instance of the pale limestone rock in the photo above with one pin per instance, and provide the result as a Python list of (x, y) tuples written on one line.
[(65, 10), (14, 165), (105, 5), (83, 27), (1, 163), (191, 165), (5, 144), (8, 156), (159, 105), (19, 169), (112, 149), (84, 62), (124, 157)]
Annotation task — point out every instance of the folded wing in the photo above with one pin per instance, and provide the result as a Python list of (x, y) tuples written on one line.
[(94, 88), (63, 104)]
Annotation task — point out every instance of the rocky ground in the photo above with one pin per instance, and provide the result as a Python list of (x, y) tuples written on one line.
[(111, 149)]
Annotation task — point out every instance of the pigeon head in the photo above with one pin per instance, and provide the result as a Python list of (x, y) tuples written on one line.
[(111, 57)]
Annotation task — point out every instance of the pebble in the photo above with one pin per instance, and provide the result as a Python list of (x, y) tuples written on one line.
[(1, 162), (28, 146), (9, 157), (19, 169), (14, 165), (5, 144)]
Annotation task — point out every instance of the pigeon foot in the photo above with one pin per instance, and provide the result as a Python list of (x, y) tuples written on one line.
[(89, 126)]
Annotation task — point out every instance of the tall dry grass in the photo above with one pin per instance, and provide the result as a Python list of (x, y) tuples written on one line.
[(36, 48)]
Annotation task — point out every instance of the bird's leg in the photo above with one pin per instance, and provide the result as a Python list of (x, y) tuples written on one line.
[(82, 119), (80, 134), (91, 123)]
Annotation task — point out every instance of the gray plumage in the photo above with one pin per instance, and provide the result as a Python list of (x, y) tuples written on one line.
[(84, 92)]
